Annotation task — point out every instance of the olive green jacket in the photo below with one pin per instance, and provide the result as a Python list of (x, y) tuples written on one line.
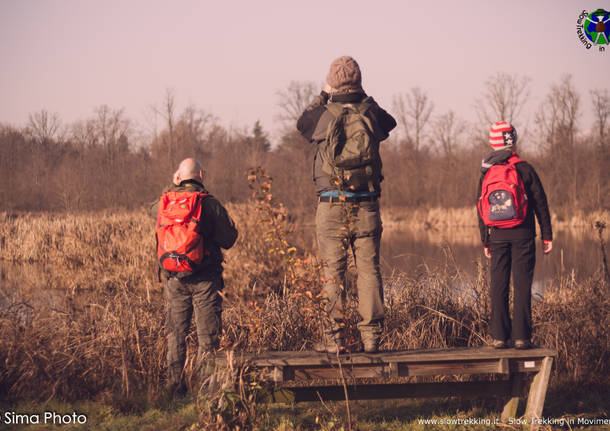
[(218, 228)]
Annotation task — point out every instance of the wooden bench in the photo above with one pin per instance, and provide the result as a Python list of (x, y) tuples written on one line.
[(503, 374)]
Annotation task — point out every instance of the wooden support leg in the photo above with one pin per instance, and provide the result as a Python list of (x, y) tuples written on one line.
[(537, 394), (511, 406)]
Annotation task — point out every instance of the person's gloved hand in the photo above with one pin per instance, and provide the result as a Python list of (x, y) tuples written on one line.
[(547, 246)]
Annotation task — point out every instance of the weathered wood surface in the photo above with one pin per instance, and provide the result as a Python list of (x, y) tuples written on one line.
[(291, 370), (535, 400), (459, 354), (513, 397), (293, 367), (391, 391)]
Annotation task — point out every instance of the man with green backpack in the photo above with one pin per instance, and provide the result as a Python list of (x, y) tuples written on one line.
[(347, 126)]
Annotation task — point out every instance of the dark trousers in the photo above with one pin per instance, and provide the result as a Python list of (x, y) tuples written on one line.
[(520, 256), (185, 298)]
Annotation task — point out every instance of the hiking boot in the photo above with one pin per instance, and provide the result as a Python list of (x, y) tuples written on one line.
[(331, 343), (371, 345), (331, 346), (523, 344), (499, 344)]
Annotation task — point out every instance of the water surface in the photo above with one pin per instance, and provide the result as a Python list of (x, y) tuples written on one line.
[(412, 251)]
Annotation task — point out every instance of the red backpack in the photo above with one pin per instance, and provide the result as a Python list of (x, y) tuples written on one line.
[(179, 241), (503, 202)]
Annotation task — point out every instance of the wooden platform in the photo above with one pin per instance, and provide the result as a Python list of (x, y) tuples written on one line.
[(501, 373)]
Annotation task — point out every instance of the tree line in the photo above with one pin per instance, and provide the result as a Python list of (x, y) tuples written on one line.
[(431, 159)]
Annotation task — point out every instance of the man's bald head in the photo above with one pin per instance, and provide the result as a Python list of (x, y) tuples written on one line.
[(189, 169)]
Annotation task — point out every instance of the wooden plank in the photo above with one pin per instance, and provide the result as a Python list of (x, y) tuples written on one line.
[(276, 374), (537, 394), (503, 366), (447, 368), (409, 390), (315, 358), (512, 403), (351, 372), (526, 365)]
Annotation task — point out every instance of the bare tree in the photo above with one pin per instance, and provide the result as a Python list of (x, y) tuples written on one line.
[(167, 112), (111, 130), (294, 99), (190, 132), (42, 130), (449, 129), (43, 126), (291, 103), (601, 111), (558, 115), (413, 110), (557, 120), (82, 135), (504, 98)]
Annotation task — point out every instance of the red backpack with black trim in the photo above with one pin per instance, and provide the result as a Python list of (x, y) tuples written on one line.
[(179, 239), (503, 202)]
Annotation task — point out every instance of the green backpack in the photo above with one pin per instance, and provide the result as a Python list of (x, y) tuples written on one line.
[(350, 153)]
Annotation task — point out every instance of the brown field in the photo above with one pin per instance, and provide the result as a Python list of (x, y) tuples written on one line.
[(395, 217), (83, 309)]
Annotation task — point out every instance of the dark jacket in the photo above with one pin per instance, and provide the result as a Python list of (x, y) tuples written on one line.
[(313, 125), (218, 228), (536, 203)]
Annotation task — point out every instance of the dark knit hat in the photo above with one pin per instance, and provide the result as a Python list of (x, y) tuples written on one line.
[(502, 135), (344, 75)]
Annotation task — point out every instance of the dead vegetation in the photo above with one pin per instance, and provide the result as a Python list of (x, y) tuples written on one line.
[(443, 219), (83, 316)]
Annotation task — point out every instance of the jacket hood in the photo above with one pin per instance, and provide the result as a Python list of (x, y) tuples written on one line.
[(187, 185), (495, 158)]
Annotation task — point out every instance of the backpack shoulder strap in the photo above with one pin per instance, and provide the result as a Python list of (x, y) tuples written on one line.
[(513, 160), (335, 109), (366, 104)]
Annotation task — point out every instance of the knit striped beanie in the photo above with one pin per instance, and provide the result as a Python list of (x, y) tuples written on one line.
[(502, 135)]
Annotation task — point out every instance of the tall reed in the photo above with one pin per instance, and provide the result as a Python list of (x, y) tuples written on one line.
[(83, 313)]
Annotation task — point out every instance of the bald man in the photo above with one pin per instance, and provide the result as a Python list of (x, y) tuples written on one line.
[(198, 291), (188, 169)]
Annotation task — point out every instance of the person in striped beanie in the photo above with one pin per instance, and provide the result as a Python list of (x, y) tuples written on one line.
[(511, 249), (502, 135)]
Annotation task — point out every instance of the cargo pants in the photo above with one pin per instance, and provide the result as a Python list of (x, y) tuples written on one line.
[(341, 226), (185, 297)]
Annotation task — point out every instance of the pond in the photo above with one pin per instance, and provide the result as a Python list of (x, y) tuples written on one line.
[(411, 251)]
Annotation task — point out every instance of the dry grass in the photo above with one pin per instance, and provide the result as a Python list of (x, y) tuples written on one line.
[(466, 217), (97, 331)]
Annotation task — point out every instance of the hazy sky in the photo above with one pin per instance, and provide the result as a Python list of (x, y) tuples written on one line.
[(230, 58)]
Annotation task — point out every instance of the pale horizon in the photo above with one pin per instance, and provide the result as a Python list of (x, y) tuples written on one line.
[(230, 59)]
